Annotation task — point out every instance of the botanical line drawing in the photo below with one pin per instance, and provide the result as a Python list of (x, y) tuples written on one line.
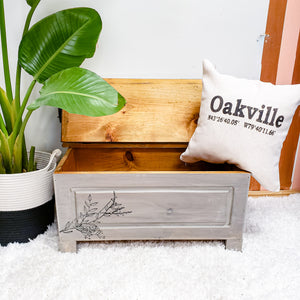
[(89, 221)]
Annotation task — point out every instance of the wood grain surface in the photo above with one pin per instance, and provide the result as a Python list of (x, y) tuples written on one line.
[(132, 159), (157, 110)]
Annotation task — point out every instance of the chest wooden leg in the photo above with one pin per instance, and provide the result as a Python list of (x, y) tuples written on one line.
[(67, 246), (234, 244)]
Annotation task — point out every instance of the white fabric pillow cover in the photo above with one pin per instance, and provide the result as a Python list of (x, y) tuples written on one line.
[(243, 122)]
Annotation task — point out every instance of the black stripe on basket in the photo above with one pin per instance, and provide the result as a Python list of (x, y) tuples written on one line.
[(21, 226)]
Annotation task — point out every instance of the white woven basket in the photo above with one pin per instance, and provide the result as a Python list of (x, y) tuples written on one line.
[(28, 190)]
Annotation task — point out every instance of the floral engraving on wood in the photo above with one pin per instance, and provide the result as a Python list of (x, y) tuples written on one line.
[(89, 221)]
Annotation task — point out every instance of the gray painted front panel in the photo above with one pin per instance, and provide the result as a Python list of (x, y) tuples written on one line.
[(206, 206), (203, 205)]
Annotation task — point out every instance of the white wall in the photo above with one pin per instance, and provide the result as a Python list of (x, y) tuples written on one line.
[(154, 39)]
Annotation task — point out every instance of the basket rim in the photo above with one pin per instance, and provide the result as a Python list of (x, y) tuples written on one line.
[(31, 172)]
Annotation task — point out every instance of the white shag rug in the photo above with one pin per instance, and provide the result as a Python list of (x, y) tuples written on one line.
[(268, 267)]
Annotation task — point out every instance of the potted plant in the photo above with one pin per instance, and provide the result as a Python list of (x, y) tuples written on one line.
[(51, 51)]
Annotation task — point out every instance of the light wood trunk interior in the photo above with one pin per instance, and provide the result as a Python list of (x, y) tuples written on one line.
[(132, 159)]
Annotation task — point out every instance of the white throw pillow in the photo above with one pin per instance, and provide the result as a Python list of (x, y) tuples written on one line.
[(243, 122)]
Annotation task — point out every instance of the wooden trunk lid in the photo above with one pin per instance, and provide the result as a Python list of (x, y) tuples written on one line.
[(157, 111)]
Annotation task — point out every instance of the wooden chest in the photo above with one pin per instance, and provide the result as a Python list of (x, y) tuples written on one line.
[(122, 179)]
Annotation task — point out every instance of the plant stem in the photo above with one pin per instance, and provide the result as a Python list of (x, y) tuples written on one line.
[(24, 155), (18, 144), (24, 123), (6, 153), (31, 160), (18, 87), (18, 72), (21, 111), (7, 111), (2, 126), (17, 138), (29, 16), (4, 53), (2, 169)]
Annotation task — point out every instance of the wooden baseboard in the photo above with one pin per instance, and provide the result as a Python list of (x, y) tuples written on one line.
[(273, 194)]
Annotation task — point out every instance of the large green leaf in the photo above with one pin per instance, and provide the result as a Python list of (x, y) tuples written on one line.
[(60, 41), (79, 91)]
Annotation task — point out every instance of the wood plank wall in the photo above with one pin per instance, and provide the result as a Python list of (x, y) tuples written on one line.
[(270, 62), (295, 80)]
